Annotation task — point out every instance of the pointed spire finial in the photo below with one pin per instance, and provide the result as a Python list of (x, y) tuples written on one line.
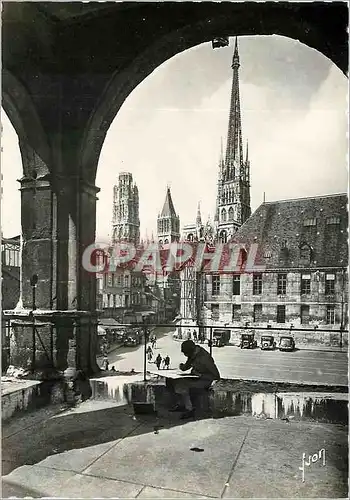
[(221, 150), (199, 216), (235, 59)]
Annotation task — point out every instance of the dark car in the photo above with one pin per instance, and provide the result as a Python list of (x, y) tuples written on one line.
[(221, 337), (267, 342), (247, 341), (131, 340), (286, 343)]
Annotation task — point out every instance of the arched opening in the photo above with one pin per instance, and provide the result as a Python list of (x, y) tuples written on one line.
[(223, 236), (223, 215), (230, 214)]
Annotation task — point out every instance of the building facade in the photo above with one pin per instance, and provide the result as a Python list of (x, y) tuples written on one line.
[(10, 272), (10, 289), (303, 283)]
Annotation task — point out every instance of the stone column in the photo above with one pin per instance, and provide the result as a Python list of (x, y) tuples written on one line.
[(58, 222)]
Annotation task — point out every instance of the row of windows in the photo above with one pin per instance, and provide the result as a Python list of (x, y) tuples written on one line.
[(313, 222), (305, 286), (10, 257), (227, 215), (329, 313), (136, 299)]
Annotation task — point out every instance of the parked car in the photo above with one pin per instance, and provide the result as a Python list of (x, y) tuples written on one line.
[(286, 343), (131, 340), (221, 337), (247, 341), (267, 342)]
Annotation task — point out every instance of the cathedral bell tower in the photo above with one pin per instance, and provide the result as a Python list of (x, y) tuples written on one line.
[(233, 195), (168, 222), (126, 221)]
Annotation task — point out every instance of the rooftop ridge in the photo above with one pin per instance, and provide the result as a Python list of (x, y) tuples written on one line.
[(304, 198)]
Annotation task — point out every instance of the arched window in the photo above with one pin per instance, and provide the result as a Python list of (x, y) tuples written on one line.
[(223, 237), (190, 237), (161, 242), (223, 215), (230, 213), (166, 242)]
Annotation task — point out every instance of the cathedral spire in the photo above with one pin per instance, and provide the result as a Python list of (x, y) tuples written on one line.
[(234, 149), (199, 216), (233, 195)]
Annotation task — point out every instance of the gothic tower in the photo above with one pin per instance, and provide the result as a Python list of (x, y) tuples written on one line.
[(233, 196), (168, 223), (126, 221)]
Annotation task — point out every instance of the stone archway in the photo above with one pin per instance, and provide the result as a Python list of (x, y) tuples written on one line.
[(23, 115)]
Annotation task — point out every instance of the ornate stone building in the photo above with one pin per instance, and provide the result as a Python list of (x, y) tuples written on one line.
[(126, 221), (167, 284), (122, 290), (232, 206), (233, 194)]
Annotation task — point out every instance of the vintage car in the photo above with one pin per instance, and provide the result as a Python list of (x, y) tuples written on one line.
[(221, 337), (247, 341), (132, 340), (286, 343), (267, 342)]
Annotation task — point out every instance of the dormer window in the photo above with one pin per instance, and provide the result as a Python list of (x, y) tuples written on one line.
[(310, 222), (333, 220), (305, 252)]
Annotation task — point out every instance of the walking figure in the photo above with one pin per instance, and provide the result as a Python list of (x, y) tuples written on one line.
[(154, 341), (149, 353), (194, 335), (105, 363), (158, 361), (188, 335), (167, 362)]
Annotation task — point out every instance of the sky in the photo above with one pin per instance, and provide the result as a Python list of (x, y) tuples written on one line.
[(169, 130)]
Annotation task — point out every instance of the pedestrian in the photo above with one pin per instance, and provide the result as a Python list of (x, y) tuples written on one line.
[(194, 335), (154, 341), (167, 362), (188, 334), (158, 361), (149, 353), (105, 364), (203, 366), (112, 369)]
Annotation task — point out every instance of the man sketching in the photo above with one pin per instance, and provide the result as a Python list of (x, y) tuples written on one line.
[(202, 366)]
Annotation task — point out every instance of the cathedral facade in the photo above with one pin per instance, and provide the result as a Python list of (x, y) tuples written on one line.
[(233, 189), (232, 210)]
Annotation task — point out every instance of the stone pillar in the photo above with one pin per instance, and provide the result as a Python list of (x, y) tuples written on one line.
[(58, 222)]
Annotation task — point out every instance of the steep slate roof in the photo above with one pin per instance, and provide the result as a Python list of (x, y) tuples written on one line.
[(279, 224), (168, 208)]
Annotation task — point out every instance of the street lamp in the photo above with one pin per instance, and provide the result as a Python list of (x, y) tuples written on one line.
[(33, 284)]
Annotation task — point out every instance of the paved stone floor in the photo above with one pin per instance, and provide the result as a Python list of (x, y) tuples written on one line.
[(100, 449)]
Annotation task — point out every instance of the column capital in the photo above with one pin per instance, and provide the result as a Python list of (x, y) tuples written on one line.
[(29, 182), (82, 186)]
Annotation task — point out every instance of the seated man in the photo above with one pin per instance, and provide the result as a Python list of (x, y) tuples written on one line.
[(203, 366)]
